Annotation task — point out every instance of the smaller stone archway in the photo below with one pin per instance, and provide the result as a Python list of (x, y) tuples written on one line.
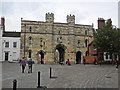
[(78, 57), (41, 55), (60, 53)]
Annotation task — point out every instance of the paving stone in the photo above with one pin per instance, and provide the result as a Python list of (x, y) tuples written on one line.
[(74, 76)]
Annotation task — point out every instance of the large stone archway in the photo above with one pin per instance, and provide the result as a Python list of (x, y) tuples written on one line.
[(60, 53)]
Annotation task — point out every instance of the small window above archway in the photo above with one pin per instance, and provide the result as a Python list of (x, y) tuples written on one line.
[(30, 29), (86, 42), (86, 32), (30, 40), (29, 53)]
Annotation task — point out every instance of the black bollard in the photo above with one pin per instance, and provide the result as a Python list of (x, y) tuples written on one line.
[(38, 80), (50, 72), (14, 84)]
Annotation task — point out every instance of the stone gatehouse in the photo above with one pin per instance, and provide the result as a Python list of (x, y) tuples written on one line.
[(55, 41)]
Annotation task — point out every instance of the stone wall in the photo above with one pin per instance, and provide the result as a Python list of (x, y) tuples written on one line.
[(46, 36)]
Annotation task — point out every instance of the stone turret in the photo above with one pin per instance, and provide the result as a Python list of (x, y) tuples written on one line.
[(71, 19), (49, 17)]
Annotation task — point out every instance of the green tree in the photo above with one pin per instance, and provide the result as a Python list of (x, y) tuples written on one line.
[(107, 39)]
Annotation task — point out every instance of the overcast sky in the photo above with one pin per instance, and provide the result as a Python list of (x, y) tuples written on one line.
[(86, 12)]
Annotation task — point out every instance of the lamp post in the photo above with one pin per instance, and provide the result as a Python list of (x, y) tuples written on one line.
[(3, 44), (24, 40)]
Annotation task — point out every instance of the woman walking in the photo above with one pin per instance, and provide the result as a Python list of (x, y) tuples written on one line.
[(23, 64)]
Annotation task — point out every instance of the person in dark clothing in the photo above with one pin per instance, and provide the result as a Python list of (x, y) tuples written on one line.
[(23, 64), (95, 61), (30, 63), (84, 61), (68, 62), (42, 61)]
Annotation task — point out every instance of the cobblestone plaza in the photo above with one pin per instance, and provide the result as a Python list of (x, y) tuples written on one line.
[(74, 76)]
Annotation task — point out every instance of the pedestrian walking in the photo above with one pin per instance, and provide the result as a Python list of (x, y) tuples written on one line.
[(95, 61), (23, 64), (30, 64), (42, 61), (84, 61), (68, 62)]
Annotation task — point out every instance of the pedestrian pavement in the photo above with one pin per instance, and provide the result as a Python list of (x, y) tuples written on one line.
[(63, 76)]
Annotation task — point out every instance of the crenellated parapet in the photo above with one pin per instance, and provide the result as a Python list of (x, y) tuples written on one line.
[(49, 17), (71, 19)]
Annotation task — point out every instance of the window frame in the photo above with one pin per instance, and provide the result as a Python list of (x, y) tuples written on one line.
[(6, 44), (14, 44)]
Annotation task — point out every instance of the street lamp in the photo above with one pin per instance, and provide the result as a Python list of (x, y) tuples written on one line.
[(24, 40), (3, 47)]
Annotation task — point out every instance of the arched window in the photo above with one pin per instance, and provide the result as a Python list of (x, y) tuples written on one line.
[(85, 32), (86, 42), (30, 40), (86, 53), (29, 54), (41, 39), (57, 39), (30, 29), (59, 32), (78, 41), (60, 37)]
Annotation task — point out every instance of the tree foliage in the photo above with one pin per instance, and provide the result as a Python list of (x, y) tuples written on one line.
[(107, 39)]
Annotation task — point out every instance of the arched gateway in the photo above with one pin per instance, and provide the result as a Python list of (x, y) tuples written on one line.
[(60, 53), (78, 57), (40, 56)]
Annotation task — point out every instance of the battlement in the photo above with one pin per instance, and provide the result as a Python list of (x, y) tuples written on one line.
[(71, 19), (70, 16), (49, 17), (49, 14)]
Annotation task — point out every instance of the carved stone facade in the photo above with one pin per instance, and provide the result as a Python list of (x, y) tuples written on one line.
[(55, 41)]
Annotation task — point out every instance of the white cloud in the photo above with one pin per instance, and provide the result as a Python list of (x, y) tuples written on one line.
[(60, 1), (119, 14), (85, 12)]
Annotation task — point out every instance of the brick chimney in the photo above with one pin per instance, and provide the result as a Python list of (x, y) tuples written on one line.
[(101, 23), (3, 23)]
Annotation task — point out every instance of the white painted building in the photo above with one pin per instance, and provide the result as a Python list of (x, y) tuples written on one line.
[(108, 57), (11, 48), (9, 44)]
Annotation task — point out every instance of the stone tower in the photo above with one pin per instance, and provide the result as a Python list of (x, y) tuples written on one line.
[(49, 17), (71, 19)]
